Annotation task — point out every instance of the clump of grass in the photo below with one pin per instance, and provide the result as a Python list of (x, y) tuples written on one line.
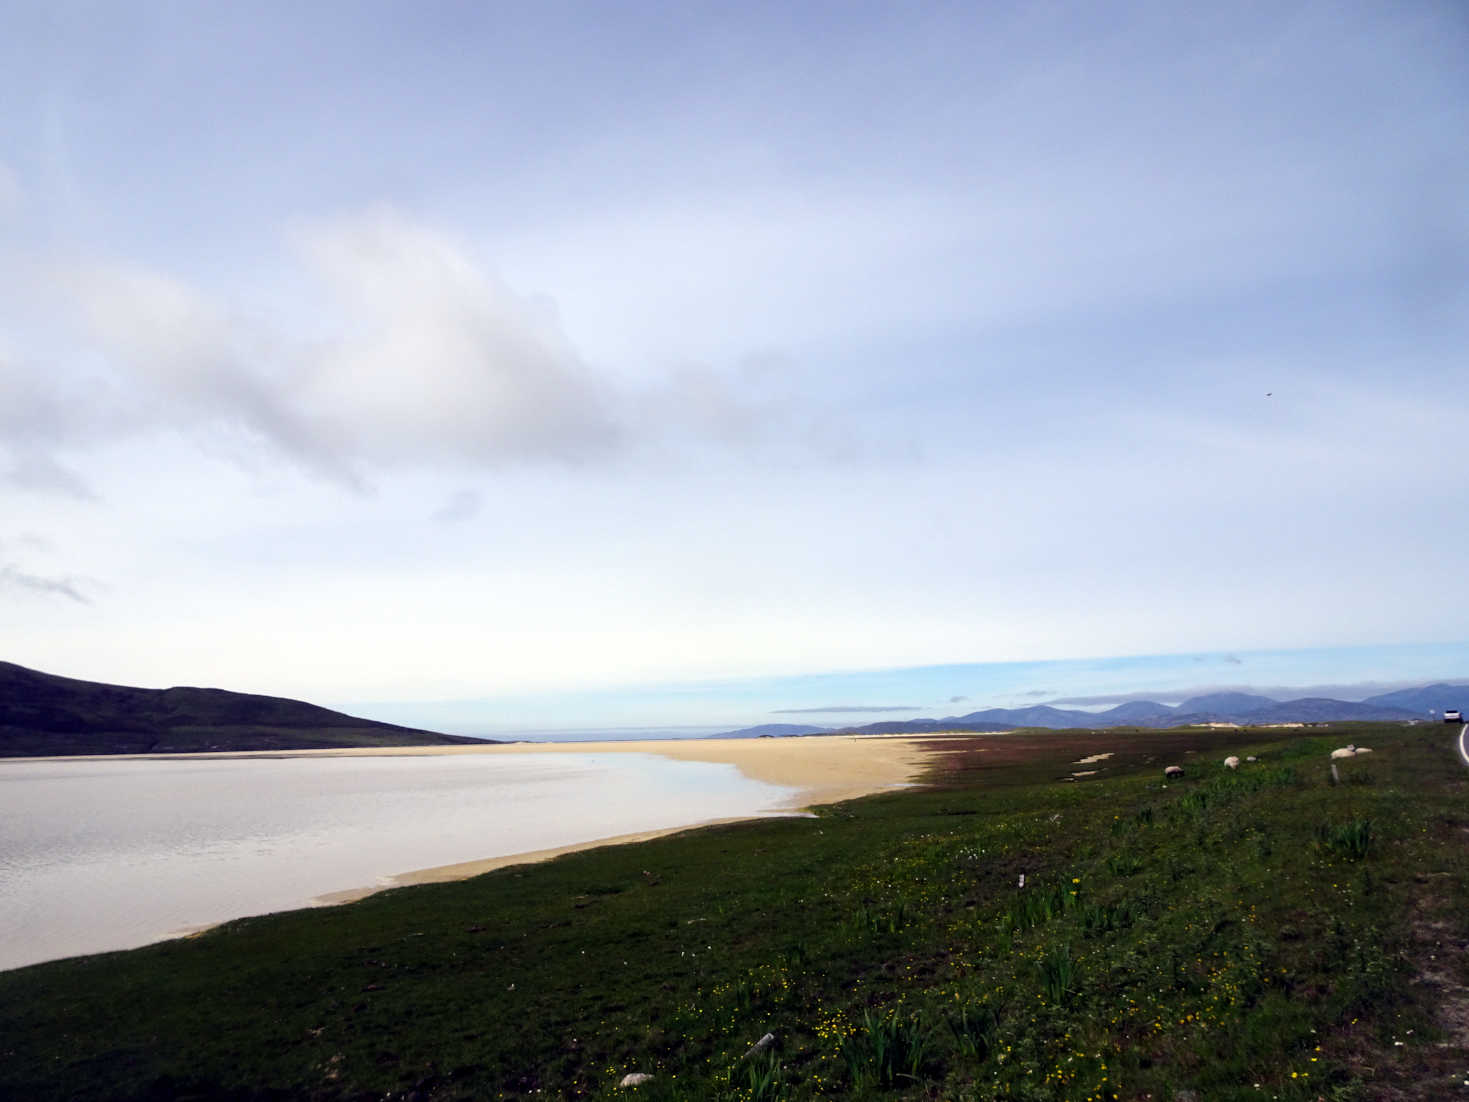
[(887, 1049), (974, 1029), (1097, 919), (762, 1078), (871, 919), (1035, 906), (1123, 864), (1354, 839), (1057, 969)]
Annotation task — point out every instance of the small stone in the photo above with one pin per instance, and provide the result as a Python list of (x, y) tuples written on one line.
[(760, 1046)]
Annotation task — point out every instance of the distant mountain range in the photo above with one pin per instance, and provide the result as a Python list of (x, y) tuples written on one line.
[(42, 714), (1427, 702)]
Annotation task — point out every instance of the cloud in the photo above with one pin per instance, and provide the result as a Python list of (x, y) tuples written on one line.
[(459, 507), (957, 699), (417, 354), (847, 708), (188, 364), (35, 583), (40, 473), (438, 358)]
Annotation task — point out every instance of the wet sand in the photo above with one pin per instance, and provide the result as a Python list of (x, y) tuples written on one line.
[(822, 768)]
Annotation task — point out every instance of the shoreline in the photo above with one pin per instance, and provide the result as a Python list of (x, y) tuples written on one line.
[(823, 769)]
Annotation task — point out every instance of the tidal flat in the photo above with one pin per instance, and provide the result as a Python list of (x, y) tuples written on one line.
[(113, 853), (1266, 933)]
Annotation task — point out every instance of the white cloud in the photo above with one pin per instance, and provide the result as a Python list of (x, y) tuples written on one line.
[(417, 355), (438, 359)]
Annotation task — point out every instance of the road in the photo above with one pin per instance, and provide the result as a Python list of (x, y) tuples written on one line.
[(1463, 750)]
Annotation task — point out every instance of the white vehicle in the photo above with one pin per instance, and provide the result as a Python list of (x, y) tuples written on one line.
[(1453, 716)]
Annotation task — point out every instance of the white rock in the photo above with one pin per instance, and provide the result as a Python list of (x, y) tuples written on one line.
[(761, 1045)]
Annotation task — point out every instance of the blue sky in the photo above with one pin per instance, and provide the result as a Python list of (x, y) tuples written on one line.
[(856, 697), (496, 352)]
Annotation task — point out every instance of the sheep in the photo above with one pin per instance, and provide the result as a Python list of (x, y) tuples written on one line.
[(1173, 771), (1347, 751), (1231, 762)]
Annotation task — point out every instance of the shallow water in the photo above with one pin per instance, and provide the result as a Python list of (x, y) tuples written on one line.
[(108, 854)]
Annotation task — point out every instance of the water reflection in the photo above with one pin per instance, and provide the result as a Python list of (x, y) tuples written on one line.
[(106, 854)]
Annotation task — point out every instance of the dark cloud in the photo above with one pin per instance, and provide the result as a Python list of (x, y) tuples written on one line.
[(847, 708), (957, 699), (35, 583)]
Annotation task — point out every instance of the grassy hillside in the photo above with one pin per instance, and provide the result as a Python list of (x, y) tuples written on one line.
[(1265, 934), (42, 714)]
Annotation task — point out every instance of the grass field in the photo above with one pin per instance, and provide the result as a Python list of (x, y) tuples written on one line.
[(1260, 934)]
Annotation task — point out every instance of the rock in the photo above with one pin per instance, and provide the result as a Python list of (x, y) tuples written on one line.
[(760, 1046), (1252, 758), (635, 1079)]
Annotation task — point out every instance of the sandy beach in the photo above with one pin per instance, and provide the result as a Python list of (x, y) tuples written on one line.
[(822, 768)]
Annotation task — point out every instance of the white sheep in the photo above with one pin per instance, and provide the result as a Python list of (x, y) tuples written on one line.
[(1231, 762), (1347, 751), (1173, 771)]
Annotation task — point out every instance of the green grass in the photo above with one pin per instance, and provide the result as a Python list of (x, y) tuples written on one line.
[(1263, 934)]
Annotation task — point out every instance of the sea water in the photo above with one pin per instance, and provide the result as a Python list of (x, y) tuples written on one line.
[(100, 854)]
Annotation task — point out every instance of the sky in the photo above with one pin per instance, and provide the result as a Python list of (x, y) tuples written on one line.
[(566, 360)]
